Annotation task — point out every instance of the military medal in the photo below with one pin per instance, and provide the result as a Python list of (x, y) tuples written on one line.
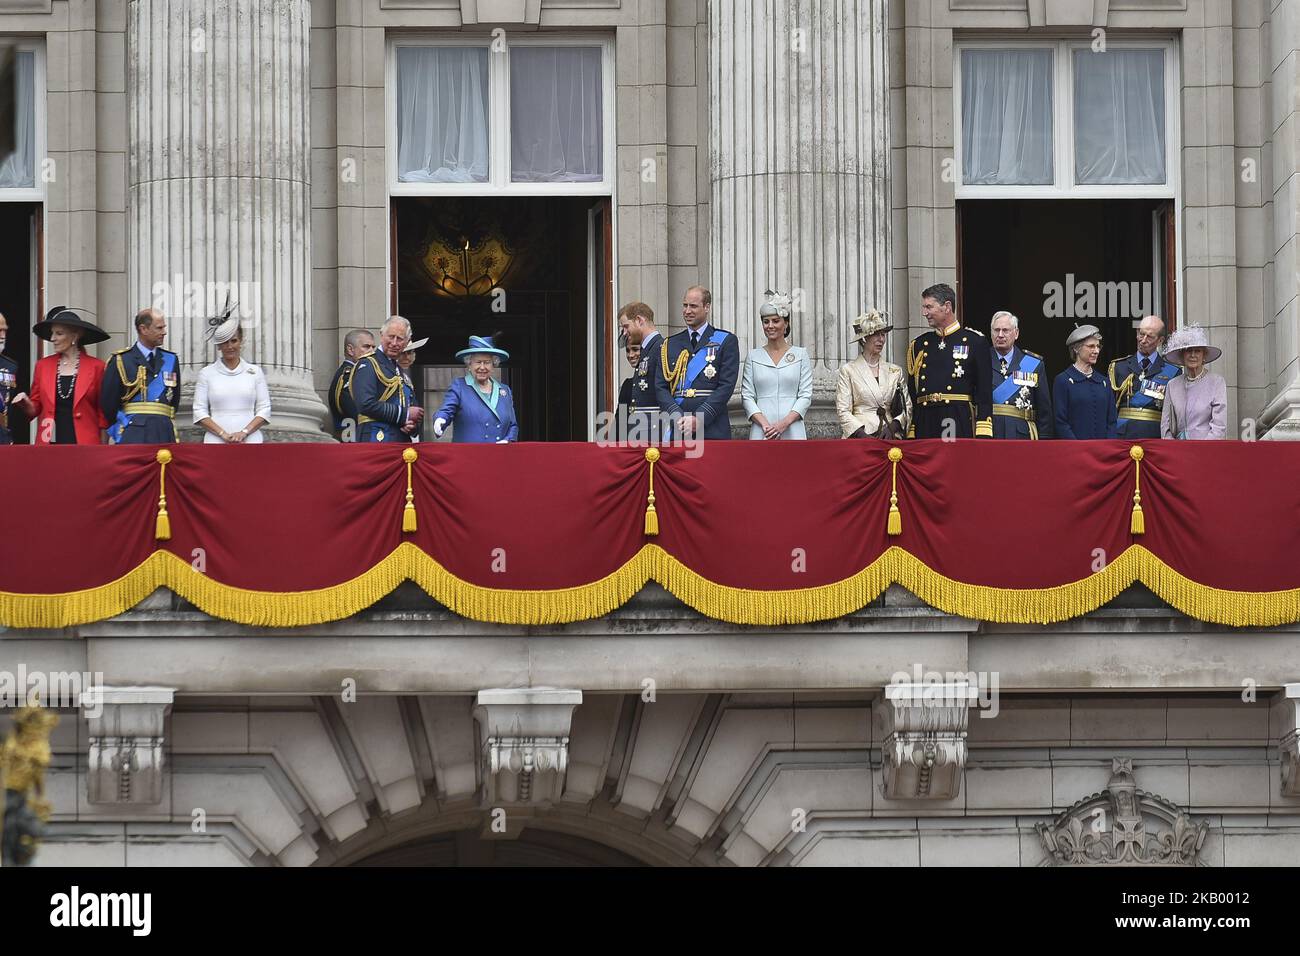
[(642, 384), (958, 372), (960, 352), (710, 371), (943, 344)]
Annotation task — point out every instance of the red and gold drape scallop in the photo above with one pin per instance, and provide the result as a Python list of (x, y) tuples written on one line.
[(747, 532)]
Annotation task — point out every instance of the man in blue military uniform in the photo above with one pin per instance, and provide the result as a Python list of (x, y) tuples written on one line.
[(1022, 390), (8, 385), (1139, 381), (637, 320), (384, 412), (949, 373), (697, 373), (142, 386), (356, 345)]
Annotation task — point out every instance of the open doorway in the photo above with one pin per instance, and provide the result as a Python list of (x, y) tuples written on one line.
[(519, 268), (20, 271), (1057, 263)]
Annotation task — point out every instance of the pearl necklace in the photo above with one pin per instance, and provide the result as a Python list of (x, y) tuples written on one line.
[(1189, 379), (58, 379)]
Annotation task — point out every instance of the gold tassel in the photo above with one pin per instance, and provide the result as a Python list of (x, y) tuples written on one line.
[(1138, 524), (162, 527), (651, 516), (408, 513), (895, 524)]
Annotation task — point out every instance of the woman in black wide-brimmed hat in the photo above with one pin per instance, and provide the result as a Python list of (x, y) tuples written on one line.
[(65, 384)]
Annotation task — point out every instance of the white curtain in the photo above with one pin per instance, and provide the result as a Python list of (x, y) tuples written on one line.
[(442, 114), (556, 118), (1119, 116), (1006, 117), (18, 169)]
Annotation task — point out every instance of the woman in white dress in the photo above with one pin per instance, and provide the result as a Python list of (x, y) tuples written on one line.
[(231, 399), (871, 394), (776, 385)]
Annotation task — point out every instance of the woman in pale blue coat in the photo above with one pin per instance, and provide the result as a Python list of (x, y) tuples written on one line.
[(480, 406), (776, 387)]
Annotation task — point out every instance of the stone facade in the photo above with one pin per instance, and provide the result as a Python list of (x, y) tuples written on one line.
[(748, 746)]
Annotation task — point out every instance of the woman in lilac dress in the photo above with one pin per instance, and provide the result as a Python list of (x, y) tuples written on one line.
[(1196, 402)]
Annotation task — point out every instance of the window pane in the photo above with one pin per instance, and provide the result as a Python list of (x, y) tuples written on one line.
[(1006, 117), (1119, 116), (556, 118), (442, 114), (18, 169)]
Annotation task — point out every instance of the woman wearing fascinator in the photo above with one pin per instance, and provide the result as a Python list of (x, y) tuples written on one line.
[(231, 399), (1196, 402), (776, 385)]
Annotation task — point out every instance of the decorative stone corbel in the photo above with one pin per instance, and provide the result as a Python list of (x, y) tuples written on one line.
[(924, 749), (1289, 742), (524, 738), (126, 743)]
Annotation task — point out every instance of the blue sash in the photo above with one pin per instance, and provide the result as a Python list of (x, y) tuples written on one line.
[(1004, 392), (696, 365), (152, 393), (1160, 376)]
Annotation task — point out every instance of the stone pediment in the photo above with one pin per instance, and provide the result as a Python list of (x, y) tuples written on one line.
[(1123, 826)]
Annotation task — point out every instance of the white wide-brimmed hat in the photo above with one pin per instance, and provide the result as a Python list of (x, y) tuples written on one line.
[(416, 344), (1190, 337)]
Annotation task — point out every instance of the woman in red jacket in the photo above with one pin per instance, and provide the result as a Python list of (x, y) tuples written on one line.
[(65, 385)]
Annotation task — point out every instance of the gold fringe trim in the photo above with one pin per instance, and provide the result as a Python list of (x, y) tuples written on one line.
[(601, 597)]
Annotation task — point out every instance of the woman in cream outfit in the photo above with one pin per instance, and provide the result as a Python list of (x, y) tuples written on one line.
[(231, 398), (776, 386), (871, 394)]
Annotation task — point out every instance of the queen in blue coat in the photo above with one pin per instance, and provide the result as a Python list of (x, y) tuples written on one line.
[(480, 406)]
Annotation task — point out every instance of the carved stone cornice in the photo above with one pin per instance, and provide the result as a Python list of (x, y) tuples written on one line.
[(923, 753), (1289, 740), (1123, 826), (126, 743), (524, 743)]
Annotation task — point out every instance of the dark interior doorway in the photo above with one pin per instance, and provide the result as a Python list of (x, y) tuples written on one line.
[(1055, 263), (19, 295), (533, 847), (518, 268)]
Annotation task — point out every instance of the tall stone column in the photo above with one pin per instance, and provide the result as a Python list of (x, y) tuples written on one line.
[(218, 174), (798, 156)]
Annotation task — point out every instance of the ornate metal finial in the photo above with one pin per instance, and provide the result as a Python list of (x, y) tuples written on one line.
[(23, 758)]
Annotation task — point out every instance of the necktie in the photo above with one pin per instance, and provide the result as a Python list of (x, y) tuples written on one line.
[(1146, 364), (1003, 368), (695, 341), (153, 363)]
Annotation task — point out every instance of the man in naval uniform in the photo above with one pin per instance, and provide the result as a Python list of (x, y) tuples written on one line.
[(383, 412), (142, 386), (1022, 390), (949, 373), (1139, 381), (356, 345), (697, 373), (637, 321), (8, 385)]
